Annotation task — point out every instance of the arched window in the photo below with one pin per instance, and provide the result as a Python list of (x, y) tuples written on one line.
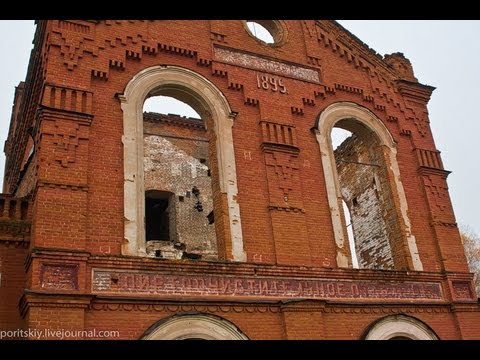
[(166, 152), (400, 327), (361, 171), (194, 326), (179, 220), (269, 32), (260, 32)]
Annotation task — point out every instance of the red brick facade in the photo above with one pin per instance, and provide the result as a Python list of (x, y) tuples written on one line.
[(279, 267)]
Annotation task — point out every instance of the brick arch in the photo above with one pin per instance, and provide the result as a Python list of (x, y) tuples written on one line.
[(194, 326), (403, 326), (208, 100), (324, 125)]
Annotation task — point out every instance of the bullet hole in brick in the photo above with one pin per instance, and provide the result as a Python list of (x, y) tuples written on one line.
[(211, 218), (191, 256)]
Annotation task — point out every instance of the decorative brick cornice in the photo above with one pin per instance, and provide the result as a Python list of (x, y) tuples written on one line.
[(426, 171), (251, 269), (56, 255), (279, 137), (415, 90), (106, 303), (456, 308), (48, 300), (14, 231), (21, 243), (59, 114), (67, 99)]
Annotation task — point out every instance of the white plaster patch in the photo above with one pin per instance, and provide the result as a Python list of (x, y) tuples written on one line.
[(197, 326), (258, 63), (400, 326)]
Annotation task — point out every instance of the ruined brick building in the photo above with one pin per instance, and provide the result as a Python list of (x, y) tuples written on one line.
[(248, 223)]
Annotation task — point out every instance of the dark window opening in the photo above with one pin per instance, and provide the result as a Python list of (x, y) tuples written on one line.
[(177, 147), (157, 219)]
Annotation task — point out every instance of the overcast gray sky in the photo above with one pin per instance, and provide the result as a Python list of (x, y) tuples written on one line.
[(444, 54)]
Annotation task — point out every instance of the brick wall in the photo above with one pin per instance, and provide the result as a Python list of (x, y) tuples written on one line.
[(176, 160), (359, 171), (72, 100), (12, 283)]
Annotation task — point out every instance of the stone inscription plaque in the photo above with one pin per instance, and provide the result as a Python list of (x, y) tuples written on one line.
[(257, 63), (59, 277), (154, 284), (461, 291)]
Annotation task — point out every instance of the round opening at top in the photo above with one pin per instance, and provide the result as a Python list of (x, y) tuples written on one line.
[(267, 31)]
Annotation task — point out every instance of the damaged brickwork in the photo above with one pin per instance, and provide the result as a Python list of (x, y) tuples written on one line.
[(365, 189), (176, 161), (273, 260)]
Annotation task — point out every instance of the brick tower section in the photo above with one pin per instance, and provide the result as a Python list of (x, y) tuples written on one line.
[(265, 255)]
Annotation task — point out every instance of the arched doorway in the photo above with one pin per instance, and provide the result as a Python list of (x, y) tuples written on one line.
[(194, 327), (400, 327)]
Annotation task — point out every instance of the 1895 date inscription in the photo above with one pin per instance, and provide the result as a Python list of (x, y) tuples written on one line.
[(269, 82), (147, 283)]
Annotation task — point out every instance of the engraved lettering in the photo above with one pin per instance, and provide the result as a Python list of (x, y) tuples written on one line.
[(264, 287), (273, 84), (224, 285), (354, 291), (238, 287), (214, 286), (251, 284), (273, 287), (331, 289), (283, 89), (269, 82)]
